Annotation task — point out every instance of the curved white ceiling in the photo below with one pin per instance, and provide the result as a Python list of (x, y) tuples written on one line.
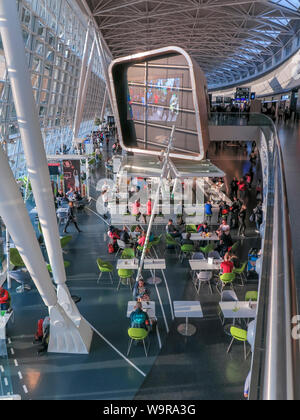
[(226, 37)]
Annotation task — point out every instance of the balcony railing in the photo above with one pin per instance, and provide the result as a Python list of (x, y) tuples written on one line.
[(276, 356)]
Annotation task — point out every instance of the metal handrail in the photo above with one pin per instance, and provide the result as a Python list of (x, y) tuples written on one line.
[(276, 355)]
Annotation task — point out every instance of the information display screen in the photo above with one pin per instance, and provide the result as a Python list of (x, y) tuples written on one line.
[(242, 94)]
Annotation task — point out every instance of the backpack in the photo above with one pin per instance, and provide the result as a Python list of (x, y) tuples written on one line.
[(111, 249)]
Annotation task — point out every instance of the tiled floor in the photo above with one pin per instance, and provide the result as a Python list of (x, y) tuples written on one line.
[(186, 368)]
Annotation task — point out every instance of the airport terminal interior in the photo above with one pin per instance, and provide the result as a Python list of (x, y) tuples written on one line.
[(149, 196)]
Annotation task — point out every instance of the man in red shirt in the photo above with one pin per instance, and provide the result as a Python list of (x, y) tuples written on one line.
[(4, 299), (227, 265)]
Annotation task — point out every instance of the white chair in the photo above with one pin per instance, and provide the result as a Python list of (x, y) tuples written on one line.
[(215, 255), (227, 296), (203, 277), (121, 246)]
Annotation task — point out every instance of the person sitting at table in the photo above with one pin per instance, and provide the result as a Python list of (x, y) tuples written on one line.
[(203, 228), (139, 318), (142, 239), (124, 236), (140, 293), (227, 265), (188, 240), (138, 229), (171, 230), (225, 243), (4, 299), (224, 227)]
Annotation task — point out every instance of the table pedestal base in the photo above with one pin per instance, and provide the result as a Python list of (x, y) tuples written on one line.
[(186, 329)]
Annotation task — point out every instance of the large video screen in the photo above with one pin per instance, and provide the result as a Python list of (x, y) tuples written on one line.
[(158, 101)]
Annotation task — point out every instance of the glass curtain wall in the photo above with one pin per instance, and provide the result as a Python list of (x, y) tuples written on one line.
[(54, 34)]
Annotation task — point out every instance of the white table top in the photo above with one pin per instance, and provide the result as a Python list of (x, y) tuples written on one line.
[(132, 264), (187, 309), (203, 265), (63, 210), (148, 307), (154, 264), (238, 310), (199, 237)]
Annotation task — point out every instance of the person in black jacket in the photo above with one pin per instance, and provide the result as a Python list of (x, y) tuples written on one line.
[(242, 219), (71, 218)]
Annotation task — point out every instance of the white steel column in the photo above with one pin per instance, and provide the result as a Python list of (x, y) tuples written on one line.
[(33, 145), (84, 89), (105, 68), (77, 120), (65, 336), (104, 105)]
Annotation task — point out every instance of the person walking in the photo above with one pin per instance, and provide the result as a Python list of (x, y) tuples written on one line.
[(71, 217), (242, 221)]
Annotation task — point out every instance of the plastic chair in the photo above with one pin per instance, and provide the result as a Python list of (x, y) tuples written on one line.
[(239, 335), (226, 280), (125, 278), (207, 249), (105, 267), (121, 247), (15, 258), (186, 251), (191, 229), (215, 255), (138, 334), (253, 296), (64, 241), (235, 246), (156, 241), (148, 250), (240, 272), (226, 296), (171, 242), (128, 254), (203, 277)]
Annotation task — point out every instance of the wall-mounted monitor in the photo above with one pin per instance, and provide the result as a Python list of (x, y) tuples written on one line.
[(155, 90)]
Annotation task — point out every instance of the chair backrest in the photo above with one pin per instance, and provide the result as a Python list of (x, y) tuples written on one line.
[(187, 248), (214, 254), (128, 253), (191, 228), (204, 275), (229, 296), (15, 258), (121, 244), (198, 256), (227, 277)]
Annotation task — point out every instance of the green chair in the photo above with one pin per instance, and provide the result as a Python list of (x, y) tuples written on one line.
[(128, 254), (156, 241), (141, 248), (132, 229), (125, 277), (207, 249), (66, 264), (15, 258), (253, 296), (186, 251), (171, 243), (191, 229), (235, 246), (239, 335), (138, 334), (105, 267), (64, 242), (240, 272), (226, 280)]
